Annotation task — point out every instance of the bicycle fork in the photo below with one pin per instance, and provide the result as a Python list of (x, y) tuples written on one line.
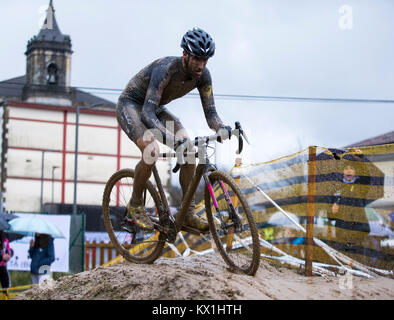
[(233, 216)]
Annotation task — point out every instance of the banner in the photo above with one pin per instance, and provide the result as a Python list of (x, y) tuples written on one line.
[(20, 259)]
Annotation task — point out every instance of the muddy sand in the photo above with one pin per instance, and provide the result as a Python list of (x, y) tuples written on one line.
[(205, 277)]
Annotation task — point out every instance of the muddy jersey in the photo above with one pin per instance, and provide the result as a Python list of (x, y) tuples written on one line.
[(163, 81)]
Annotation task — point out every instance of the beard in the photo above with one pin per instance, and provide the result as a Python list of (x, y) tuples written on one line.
[(191, 73)]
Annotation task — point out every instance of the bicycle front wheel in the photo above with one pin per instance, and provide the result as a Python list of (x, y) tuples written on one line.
[(138, 246), (231, 223)]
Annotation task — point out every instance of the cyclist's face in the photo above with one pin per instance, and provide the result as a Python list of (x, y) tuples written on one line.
[(195, 65)]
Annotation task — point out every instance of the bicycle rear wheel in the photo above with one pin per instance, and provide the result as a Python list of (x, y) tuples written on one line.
[(231, 223), (141, 246)]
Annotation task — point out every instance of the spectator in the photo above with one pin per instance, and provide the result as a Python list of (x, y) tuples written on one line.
[(348, 210), (5, 255), (42, 254)]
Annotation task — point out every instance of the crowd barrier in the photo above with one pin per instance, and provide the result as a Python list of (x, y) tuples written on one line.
[(349, 199), (10, 293)]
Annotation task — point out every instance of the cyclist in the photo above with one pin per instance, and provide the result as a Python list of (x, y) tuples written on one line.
[(141, 107)]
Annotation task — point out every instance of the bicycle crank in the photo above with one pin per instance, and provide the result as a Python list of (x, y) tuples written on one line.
[(166, 228)]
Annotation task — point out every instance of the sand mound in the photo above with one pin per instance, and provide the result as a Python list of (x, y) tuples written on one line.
[(204, 277)]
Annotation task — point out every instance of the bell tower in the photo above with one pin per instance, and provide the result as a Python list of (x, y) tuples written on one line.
[(48, 65)]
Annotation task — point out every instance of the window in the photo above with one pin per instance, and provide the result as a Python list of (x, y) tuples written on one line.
[(52, 74)]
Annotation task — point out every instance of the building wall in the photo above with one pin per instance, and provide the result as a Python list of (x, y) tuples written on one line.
[(35, 130)]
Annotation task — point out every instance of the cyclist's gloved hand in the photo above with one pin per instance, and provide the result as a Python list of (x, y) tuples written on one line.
[(181, 146), (224, 132), (184, 141)]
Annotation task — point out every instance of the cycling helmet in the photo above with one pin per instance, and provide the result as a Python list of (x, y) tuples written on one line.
[(198, 43)]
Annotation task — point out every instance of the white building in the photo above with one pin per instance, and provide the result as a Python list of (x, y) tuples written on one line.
[(38, 114)]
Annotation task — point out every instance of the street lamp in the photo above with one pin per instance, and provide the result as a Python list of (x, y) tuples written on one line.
[(77, 109), (53, 180), (42, 179)]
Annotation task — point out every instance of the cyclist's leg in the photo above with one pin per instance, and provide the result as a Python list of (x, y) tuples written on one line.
[(187, 171), (128, 114), (173, 123)]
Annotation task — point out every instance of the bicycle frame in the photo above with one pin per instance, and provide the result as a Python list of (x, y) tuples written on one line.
[(202, 171)]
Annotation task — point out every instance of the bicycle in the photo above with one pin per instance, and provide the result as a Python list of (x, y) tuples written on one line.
[(231, 223)]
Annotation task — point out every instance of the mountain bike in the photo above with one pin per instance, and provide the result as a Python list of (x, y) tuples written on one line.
[(231, 222)]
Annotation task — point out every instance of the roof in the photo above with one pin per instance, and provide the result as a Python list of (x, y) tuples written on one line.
[(50, 36), (83, 97), (386, 138), (50, 31), (12, 88)]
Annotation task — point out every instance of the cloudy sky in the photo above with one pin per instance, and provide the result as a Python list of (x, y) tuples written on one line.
[(333, 49)]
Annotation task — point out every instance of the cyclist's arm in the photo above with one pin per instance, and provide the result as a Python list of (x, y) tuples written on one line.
[(204, 87), (159, 80)]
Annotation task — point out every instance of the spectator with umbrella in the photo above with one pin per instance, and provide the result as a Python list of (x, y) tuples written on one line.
[(41, 251), (5, 255), (42, 254)]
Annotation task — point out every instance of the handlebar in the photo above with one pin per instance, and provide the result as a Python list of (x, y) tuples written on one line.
[(199, 141)]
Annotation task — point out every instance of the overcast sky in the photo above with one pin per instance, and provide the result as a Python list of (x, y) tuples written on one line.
[(286, 48)]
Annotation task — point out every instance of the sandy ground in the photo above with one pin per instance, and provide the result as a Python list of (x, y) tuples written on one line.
[(205, 277)]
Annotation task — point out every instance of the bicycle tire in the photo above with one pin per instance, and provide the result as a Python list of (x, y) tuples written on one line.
[(235, 257), (132, 253)]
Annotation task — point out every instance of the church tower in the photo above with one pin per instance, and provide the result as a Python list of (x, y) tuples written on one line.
[(48, 65)]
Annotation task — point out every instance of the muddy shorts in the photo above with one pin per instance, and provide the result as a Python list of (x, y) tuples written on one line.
[(128, 114)]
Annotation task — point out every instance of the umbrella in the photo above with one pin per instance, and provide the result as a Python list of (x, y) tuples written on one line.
[(4, 226), (4, 218), (33, 224), (3, 223), (369, 175)]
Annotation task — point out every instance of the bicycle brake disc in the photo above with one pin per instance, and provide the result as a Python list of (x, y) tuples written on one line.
[(169, 229)]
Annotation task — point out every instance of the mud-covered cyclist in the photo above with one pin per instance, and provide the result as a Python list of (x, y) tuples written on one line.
[(141, 107)]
